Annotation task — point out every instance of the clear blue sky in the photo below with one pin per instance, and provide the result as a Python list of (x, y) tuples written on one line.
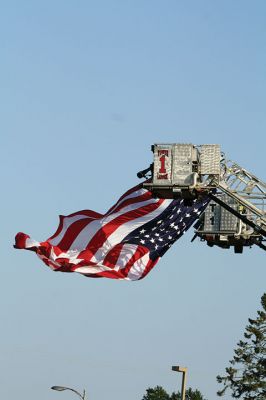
[(86, 88)]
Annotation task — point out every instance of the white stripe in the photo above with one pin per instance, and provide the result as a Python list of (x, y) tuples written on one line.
[(87, 234), (67, 221), (53, 267), (31, 243), (71, 255), (127, 252), (93, 270), (53, 256), (137, 269), (120, 233), (133, 195)]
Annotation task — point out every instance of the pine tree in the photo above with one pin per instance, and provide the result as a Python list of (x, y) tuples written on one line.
[(246, 377)]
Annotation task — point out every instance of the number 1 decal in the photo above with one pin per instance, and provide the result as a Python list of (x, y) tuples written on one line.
[(162, 174)]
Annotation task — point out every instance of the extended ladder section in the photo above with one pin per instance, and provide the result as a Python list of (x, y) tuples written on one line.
[(236, 214)]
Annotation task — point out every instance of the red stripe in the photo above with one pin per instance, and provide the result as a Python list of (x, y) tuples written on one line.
[(20, 240), (89, 213), (105, 274), (133, 200), (85, 257), (113, 255), (60, 227), (57, 251), (111, 262), (108, 274), (72, 232), (140, 252), (44, 250), (102, 235), (134, 189), (112, 258)]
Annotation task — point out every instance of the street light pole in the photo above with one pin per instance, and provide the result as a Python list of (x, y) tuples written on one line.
[(61, 388), (183, 370)]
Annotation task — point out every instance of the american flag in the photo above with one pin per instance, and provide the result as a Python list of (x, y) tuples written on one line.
[(125, 243)]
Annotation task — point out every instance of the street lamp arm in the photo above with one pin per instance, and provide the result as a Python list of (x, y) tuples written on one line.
[(61, 388), (75, 391)]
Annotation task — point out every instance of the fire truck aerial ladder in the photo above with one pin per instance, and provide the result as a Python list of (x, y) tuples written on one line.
[(235, 216)]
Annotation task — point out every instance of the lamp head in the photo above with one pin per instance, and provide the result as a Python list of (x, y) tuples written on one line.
[(179, 369), (58, 388)]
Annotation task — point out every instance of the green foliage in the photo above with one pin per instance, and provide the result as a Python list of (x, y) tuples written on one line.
[(158, 393), (190, 395), (246, 377)]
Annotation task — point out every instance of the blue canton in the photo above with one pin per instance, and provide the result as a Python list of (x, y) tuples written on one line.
[(159, 234)]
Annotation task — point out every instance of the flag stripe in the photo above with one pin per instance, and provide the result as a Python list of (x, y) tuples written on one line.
[(135, 191), (100, 237), (67, 219), (116, 235), (113, 255), (140, 251), (138, 268), (125, 243), (138, 197), (86, 238)]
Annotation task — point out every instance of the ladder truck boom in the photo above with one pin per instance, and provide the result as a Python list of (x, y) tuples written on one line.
[(236, 214)]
